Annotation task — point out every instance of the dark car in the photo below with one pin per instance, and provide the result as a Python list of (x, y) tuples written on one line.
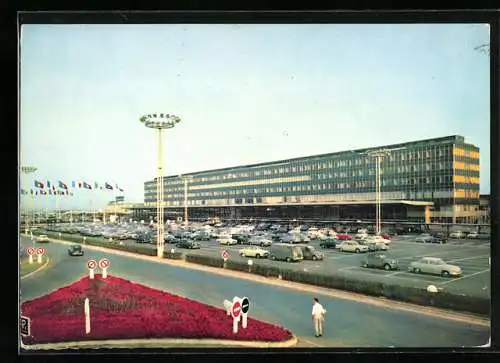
[(185, 243), (168, 238), (75, 250), (438, 237), (329, 243), (143, 238), (242, 239), (379, 260)]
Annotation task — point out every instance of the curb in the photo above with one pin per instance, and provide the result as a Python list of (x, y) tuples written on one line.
[(340, 294), (37, 270), (159, 343)]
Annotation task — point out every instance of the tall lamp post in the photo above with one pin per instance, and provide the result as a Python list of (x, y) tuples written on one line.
[(186, 179), (28, 170), (160, 121), (378, 155)]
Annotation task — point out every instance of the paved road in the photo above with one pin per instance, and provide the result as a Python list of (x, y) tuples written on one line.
[(348, 324)]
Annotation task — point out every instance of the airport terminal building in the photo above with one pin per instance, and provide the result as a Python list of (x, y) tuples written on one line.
[(427, 180)]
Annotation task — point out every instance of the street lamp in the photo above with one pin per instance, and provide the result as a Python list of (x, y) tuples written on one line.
[(28, 170), (378, 155), (160, 121), (186, 179)]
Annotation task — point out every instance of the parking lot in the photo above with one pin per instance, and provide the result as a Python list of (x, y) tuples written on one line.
[(471, 255)]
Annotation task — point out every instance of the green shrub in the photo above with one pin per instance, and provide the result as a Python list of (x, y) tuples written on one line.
[(173, 256)]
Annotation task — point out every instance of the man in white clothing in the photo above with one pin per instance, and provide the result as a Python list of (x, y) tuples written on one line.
[(318, 316)]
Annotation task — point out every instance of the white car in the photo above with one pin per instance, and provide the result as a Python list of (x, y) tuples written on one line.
[(361, 236), (254, 251), (473, 235), (42, 238), (352, 246), (378, 239), (457, 234), (227, 241), (260, 241), (434, 265)]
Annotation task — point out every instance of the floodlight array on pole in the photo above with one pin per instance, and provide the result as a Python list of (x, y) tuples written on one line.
[(29, 170), (186, 179), (160, 121)]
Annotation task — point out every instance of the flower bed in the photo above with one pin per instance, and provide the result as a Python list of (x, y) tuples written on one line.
[(121, 309)]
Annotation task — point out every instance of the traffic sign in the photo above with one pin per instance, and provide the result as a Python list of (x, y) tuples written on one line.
[(225, 255), (92, 264), (245, 305), (103, 263), (25, 326), (236, 309), (31, 251), (40, 251)]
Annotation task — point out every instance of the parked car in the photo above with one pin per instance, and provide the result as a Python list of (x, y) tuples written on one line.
[(360, 236), (434, 265), (242, 239), (386, 235), (227, 241), (457, 234), (439, 237), (352, 246), (473, 235), (379, 260), (376, 246), (286, 252), (168, 238), (254, 251), (424, 238), (43, 238), (378, 239), (201, 235), (186, 243), (329, 243), (75, 250), (260, 241), (310, 253), (344, 236), (484, 236)]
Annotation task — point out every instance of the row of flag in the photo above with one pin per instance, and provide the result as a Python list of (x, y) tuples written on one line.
[(46, 192), (76, 184)]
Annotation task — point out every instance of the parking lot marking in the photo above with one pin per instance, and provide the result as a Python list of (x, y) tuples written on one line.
[(347, 268), (463, 277), (413, 277)]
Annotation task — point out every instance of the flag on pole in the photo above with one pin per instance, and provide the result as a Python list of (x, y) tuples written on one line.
[(36, 192), (38, 184), (87, 186), (73, 184), (62, 185), (108, 186), (48, 184), (79, 184), (50, 191), (96, 186), (32, 191)]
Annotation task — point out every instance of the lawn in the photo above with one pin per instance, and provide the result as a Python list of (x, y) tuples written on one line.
[(26, 267), (121, 309)]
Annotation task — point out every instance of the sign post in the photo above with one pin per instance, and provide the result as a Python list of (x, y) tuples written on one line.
[(39, 252), (104, 264), (31, 251), (235, 313), (91, 264), (245, 306), (25, 326), (225, 256), (87, 315)]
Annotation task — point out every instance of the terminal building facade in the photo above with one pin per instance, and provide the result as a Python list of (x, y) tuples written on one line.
[(427, 180)]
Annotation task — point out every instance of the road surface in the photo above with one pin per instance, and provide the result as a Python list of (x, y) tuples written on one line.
[(348, 323)]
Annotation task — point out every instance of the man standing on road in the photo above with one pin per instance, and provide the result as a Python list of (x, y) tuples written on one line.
[(318, 316)]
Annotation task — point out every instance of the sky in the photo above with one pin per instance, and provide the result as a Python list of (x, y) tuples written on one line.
[(245, 94)]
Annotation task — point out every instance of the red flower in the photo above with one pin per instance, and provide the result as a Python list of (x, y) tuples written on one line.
[(121, 309)]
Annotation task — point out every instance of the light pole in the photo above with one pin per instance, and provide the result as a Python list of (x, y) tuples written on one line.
[(186, 179), (378, 155), (159, 122), (28, 170)]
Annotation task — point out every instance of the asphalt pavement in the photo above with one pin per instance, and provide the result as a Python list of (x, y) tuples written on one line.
[(348, 323)]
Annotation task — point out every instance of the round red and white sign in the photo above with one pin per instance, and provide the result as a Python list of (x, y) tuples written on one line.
[(225, 255), (103, 263), (236, 309), (92, 264), (31, 251), (40, 251)]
